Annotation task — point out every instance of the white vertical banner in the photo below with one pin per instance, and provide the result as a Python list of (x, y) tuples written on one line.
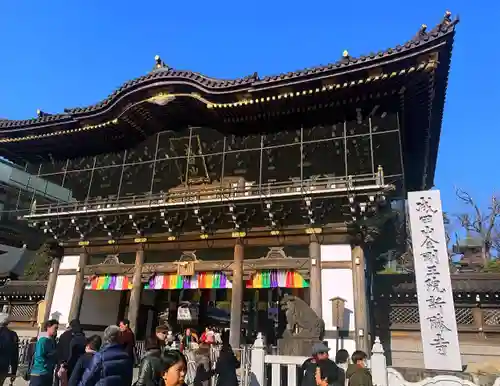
[(436, 308)]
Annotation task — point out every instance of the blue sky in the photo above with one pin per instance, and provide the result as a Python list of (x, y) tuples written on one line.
[(58, 54)]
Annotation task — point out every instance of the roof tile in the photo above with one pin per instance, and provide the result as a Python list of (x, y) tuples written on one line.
[(447, 26)]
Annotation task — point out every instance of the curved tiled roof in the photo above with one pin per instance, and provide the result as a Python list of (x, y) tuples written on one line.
[(164, 74), (21, 287)]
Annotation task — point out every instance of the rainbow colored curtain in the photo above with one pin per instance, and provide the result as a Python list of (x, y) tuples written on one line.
[(109, 282), (277, 279), (201, 280)]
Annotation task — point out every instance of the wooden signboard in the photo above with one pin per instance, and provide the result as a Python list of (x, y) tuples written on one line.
[(338, 307), (185, 268)]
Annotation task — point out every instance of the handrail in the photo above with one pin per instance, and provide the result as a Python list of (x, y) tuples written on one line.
[(197, 194)]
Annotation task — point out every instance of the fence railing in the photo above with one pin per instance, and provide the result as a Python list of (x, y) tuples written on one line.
[(281, 370)]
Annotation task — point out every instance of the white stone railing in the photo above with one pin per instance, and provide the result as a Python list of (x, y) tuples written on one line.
[(381, 374)]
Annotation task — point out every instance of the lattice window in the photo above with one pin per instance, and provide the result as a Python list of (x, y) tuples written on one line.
[(491, 316), (22, 311), (404, 315), (464, 316)]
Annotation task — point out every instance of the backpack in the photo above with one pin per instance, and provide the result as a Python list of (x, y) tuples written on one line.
[(76, 348)]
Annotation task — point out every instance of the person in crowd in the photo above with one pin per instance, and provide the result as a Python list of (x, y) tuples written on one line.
[(71, 346), (188, 339), (218, 336), (151, 367), (208, 336), (342, 359), (226, 364), (9, 353), (174, 369), (127, 338), (319, 370), (357, 373), (203, 371), (45, 357), (111, 365), (93, 345), (170, 338), (165, 337)]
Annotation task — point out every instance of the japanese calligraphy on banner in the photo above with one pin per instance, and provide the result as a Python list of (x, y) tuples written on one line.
[(438, 325)]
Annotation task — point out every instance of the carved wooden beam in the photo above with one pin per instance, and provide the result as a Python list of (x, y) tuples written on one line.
[(109, 269), (181, 245)]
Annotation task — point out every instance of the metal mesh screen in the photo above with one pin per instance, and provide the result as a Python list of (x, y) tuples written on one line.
[(404, 315), (409, 315), (491, 317), (464, 316), (22, 311)]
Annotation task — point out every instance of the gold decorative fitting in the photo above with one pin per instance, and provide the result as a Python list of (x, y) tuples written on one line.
[(345, 54), (158, 62), (447, 13), (424, 27), (38, 113), (331, 87), (185, 268), (60, 132)]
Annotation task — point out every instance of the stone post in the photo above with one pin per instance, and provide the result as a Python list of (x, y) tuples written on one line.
[(76, 302), (236, 296), (315, 281), (360, 299), (378, 364), (51, 285), (258, 364), (135, 294)]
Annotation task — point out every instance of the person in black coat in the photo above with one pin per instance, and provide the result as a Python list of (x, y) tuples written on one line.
[(320, 370), (9, 345), (226, 364), (151, 368), (71, 346), (93, 345)]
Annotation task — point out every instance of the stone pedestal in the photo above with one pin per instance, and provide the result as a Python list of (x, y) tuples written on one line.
[(294, 345)]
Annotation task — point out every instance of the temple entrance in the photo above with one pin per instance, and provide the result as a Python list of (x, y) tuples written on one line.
[(204, 299)]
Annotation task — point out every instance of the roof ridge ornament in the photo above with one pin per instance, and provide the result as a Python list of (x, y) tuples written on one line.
[(160, 64), (41, 114), (422, 32), (447, 22)]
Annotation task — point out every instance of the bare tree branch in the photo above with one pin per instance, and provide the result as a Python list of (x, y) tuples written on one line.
[(482, 225)]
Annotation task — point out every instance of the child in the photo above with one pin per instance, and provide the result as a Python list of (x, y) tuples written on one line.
[(357, 372)]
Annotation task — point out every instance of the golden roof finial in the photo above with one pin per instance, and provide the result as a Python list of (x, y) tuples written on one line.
[(447, 14), (158, 62), (345, 54), (39, 113), (424, 27)]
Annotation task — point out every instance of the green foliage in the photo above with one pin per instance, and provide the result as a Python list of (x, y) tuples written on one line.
[(388, 271), (492, 266), (38, 268)]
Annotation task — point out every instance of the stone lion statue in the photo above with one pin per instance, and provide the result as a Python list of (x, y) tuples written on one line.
[(302, 321)]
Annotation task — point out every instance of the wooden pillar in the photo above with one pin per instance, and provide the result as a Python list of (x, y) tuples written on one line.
[(51, 285), (360, 299), (76, 302), (315, 281), (236, 296), (135, 294)]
